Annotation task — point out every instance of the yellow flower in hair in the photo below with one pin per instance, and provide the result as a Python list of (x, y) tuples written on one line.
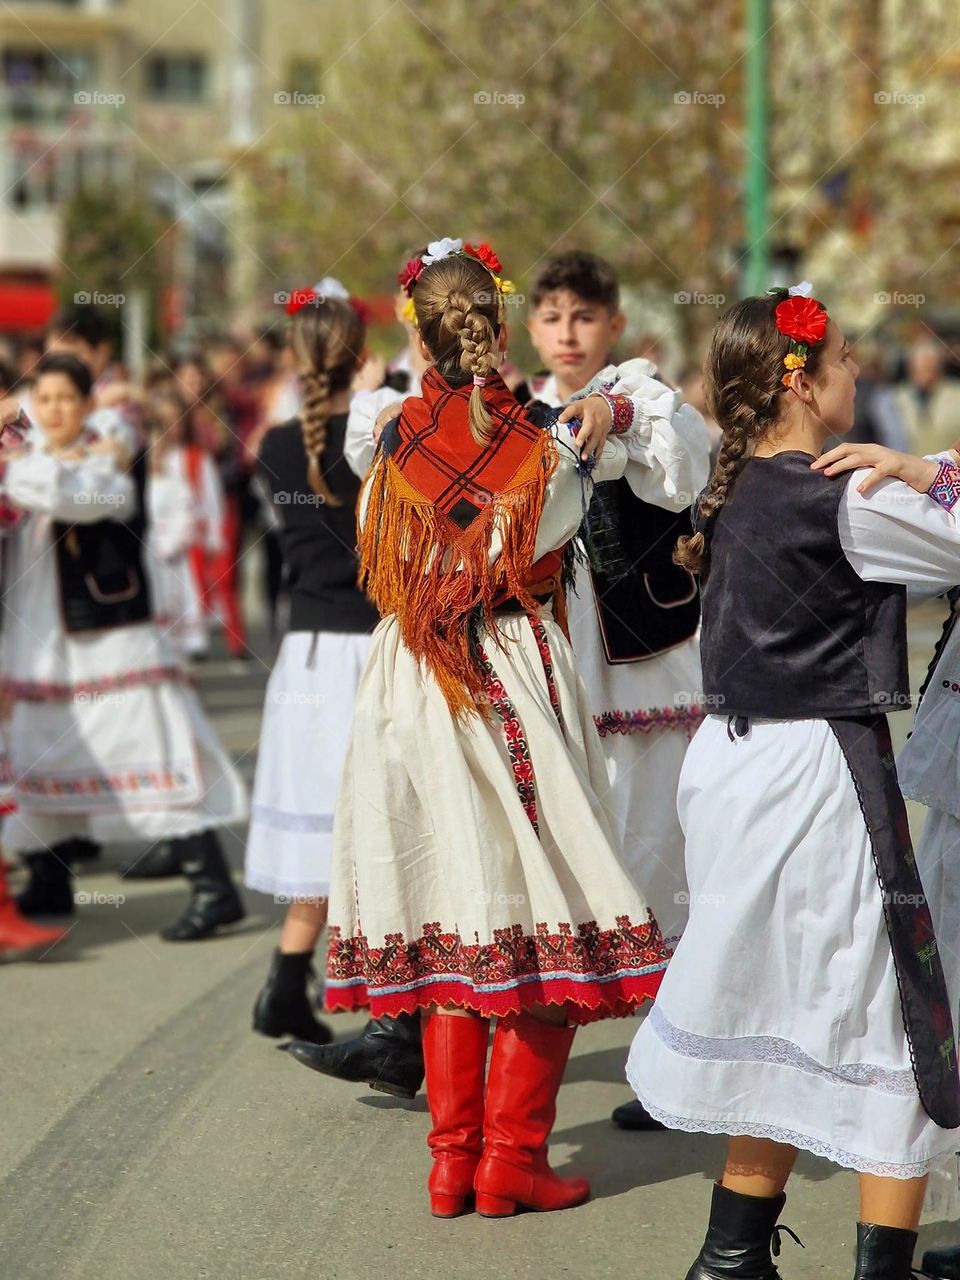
[(793, 361), (409, 312), (505, 286)]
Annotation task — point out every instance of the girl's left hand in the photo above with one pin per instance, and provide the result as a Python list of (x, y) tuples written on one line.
[(596, 419), (918, 473)]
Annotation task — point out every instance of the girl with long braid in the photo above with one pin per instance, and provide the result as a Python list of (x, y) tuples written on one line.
[(309, 698), (474, 871), (805, 1006)]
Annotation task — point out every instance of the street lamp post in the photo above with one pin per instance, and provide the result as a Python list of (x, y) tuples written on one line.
[(757, 184)]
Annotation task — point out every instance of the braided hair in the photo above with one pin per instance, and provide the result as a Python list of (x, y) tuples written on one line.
[(460, 311), (327, 339), (743, 379)]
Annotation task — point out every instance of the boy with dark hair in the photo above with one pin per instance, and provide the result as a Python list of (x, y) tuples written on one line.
[(634, 622), (83, 330)]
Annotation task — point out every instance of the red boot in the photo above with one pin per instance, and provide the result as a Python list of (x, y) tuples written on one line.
[(455, 1058), (18, 935), (526, 1067)]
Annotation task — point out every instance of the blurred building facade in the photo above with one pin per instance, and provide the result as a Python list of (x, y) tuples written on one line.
[(166, 94)]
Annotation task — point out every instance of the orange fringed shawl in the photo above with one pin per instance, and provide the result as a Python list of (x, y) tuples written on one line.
[(434, 502)]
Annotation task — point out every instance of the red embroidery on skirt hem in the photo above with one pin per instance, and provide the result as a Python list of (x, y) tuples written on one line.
[(585, 1002), (48, 691), (600, 973)]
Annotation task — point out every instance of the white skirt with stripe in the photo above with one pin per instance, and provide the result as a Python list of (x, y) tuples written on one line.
[(303, 740)]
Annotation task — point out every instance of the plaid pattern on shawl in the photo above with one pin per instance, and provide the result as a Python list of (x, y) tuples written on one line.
[(436, 497)]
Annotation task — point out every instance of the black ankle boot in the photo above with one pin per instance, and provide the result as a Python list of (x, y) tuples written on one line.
[(50, 890), (739, 1238), (160, 861), (282, 1007), (387, 1055), (942, 1264), (884, 1253), (214, 901), (83, 850), (635, 1116)]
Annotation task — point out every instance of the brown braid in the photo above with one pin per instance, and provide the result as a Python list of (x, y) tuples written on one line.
[(743, 376), (459, 310), (327, 340)]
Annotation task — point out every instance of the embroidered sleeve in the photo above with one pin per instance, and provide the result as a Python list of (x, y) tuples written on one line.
[(622, 410), (945, 490)]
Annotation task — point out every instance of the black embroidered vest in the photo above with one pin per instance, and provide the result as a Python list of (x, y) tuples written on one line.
[(100, 568), (645, 603), (789, 629)]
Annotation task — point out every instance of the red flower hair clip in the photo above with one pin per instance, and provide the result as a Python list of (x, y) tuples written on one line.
[(803, 320), (410, 274), (299, 299), (483, 253)]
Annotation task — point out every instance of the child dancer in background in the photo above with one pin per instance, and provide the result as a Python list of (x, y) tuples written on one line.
[(474, 874), (806, 1005), (175, 523), (106, 740), (310, 695)]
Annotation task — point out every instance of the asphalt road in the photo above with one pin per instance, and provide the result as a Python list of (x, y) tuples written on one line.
[(147, 1134)]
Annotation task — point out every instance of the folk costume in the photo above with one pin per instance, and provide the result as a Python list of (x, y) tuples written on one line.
[(106, 738), (806, 1002), (473, 843), (633, 627)]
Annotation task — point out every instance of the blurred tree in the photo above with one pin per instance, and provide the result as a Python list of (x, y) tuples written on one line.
[(541, 128), (114, 242)]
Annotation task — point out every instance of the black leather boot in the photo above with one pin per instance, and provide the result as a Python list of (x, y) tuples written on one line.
[(387, 1055), (159, 861), (742, 1231), (83, 850), (214, 901), (634, 1115), (50, 889), (282, 1007), (884, 1253), (942, 1264)]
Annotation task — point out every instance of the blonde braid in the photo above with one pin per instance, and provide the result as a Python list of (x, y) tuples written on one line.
[(478, 355)]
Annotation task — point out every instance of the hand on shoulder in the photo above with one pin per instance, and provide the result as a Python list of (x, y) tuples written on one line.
[(885, 464)]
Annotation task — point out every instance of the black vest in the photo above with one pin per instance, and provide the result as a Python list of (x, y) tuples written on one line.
[(100, 568), (645, 603), (790, 632)]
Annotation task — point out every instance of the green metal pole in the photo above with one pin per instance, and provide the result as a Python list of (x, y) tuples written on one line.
[(757, 184)]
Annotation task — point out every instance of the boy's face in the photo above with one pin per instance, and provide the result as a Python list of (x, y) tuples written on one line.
[(574, 336), (60, 409)]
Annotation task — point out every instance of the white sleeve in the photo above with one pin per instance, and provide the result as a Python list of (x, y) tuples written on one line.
[(894, 534), (667, 445), (358, 442), (80, 492)]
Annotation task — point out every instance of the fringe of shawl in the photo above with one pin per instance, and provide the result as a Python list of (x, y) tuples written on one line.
[(437, 579)]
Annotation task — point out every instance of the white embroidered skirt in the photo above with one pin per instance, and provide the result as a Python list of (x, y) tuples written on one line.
[(307, 715), (473, 862), (780, 1015), (117, 761)]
